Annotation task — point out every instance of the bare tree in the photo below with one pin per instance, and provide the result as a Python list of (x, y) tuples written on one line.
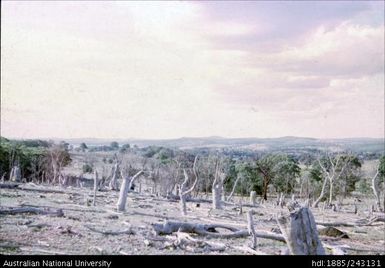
[(233, 190), (376, 190), (252, 197), (331, 174), (182, 189), (15, 174), (251, 230), (217, 187), (124, 188), (95, 187), (113, 185)]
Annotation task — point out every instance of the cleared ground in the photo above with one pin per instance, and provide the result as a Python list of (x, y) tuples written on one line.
[(80, 230)]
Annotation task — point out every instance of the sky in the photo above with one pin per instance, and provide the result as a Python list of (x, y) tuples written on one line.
[(158, 70)]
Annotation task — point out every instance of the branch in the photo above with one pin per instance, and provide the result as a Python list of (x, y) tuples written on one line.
[(323, 169), (196, 177), (233, 190)]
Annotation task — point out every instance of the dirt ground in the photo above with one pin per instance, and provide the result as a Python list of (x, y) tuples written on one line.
[(79, 231)]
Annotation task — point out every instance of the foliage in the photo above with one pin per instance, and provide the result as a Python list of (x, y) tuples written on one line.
[(124, 148), (32, 159), (87, 168), (114, 145)]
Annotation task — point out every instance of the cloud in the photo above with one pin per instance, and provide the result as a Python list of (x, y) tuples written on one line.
[(171, 69)]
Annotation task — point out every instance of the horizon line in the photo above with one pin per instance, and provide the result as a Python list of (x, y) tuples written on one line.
[(185, 137)]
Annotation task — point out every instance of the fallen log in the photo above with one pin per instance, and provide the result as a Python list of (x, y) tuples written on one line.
[(9, 185), (109, 232), (362, 222), (209, 230), (32, 210)]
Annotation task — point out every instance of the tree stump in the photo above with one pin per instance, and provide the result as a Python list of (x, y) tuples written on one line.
[(121, 205), (300, 233)]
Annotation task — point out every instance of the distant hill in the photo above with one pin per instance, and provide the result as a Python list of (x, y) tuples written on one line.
[(365, 145)]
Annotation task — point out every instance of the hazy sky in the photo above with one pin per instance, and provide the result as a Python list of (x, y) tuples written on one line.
[(173, 69)]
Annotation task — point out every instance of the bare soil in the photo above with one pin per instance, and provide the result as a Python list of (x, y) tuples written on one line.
[(99, 229)]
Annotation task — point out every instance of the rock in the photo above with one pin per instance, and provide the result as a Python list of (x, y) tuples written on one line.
[(332, 232), (112, 217)]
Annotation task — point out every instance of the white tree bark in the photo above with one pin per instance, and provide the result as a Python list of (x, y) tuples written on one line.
[(233, 190), (121, 205), (95, 187), (250, 228), (376, 190), (333, 175), (183, 192), (322, 194), (132, 180), (15, 174), (114, 179), (281, 202), (217, 188), (253, 198), (300, 233), (124, 188)]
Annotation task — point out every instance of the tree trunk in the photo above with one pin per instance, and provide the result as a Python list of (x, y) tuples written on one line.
[(233, 190), (250, 228), (114, 179), (300, 233), (182, 203), (217, 197), (95, 187), (321, 194), (376, 190), (252, 198), (121, 205), (264, 189), (331, 192), (15, 174), (281, 202), (217, 189)]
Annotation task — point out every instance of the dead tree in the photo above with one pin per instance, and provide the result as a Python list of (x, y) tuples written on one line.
[(331, 175), (124, 188), (15, 174), (95, 187), (281, 201), (250, 228), (322, 194), (233, 190), (300, 232), (182, 189), (114, 178), (217, 187), (252, 198), (376, 190), (210, 230)]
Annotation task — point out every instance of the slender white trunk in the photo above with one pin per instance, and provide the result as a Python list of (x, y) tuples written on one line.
[(376, 190), (322, 193), (331, 191), (250, 227), (252, 198), (217, 197), (121, 205), (95, 187)]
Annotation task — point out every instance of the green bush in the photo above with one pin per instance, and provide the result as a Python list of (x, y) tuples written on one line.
[(87, 168)]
